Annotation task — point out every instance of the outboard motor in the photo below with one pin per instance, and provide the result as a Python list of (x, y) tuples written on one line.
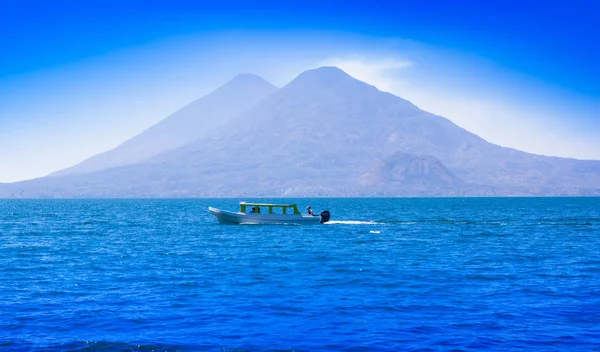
[(325, 216)]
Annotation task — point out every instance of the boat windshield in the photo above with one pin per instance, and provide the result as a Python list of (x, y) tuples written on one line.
[(256, 208)]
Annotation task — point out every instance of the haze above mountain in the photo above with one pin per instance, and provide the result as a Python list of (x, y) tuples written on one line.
[(323, 134)]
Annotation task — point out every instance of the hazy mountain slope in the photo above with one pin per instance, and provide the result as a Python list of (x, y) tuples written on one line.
[(321, 121), (422, 171), (325, 128), (320, 135), (191, 122)]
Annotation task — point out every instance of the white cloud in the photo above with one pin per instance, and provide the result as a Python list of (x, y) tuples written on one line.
[(382, 73)]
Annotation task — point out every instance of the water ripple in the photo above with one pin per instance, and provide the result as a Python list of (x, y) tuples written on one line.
[(385, 274)]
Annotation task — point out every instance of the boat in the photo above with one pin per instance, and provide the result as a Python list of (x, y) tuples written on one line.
[(263, 213)]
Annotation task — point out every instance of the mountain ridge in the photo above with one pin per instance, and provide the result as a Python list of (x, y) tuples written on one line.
[(316, 136)]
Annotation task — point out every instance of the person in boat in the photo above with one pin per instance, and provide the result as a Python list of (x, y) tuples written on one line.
[(309, 210)]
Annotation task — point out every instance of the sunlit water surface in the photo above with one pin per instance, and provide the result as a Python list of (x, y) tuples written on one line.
[(384, 274)]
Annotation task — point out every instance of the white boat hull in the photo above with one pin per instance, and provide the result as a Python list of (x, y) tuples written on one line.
[(229, 217)]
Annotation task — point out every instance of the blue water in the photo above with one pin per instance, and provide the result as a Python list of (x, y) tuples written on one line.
[(493, 274)]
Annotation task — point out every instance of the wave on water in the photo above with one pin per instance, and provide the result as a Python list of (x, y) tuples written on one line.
[(97, 346), (352, 222), (483, 268)]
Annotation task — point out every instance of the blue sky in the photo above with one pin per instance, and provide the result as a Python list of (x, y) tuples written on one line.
[(79, 77)]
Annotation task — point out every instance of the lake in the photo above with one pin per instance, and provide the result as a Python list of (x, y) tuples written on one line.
[(386, 274)]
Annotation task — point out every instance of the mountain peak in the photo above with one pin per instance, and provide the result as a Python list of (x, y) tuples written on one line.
[(244, 83), (248, 78), (327, 70), (330, 78), (247, 81), (325, 74)]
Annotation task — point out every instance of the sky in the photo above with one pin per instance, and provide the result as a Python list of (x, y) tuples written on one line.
[(80, 77)]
